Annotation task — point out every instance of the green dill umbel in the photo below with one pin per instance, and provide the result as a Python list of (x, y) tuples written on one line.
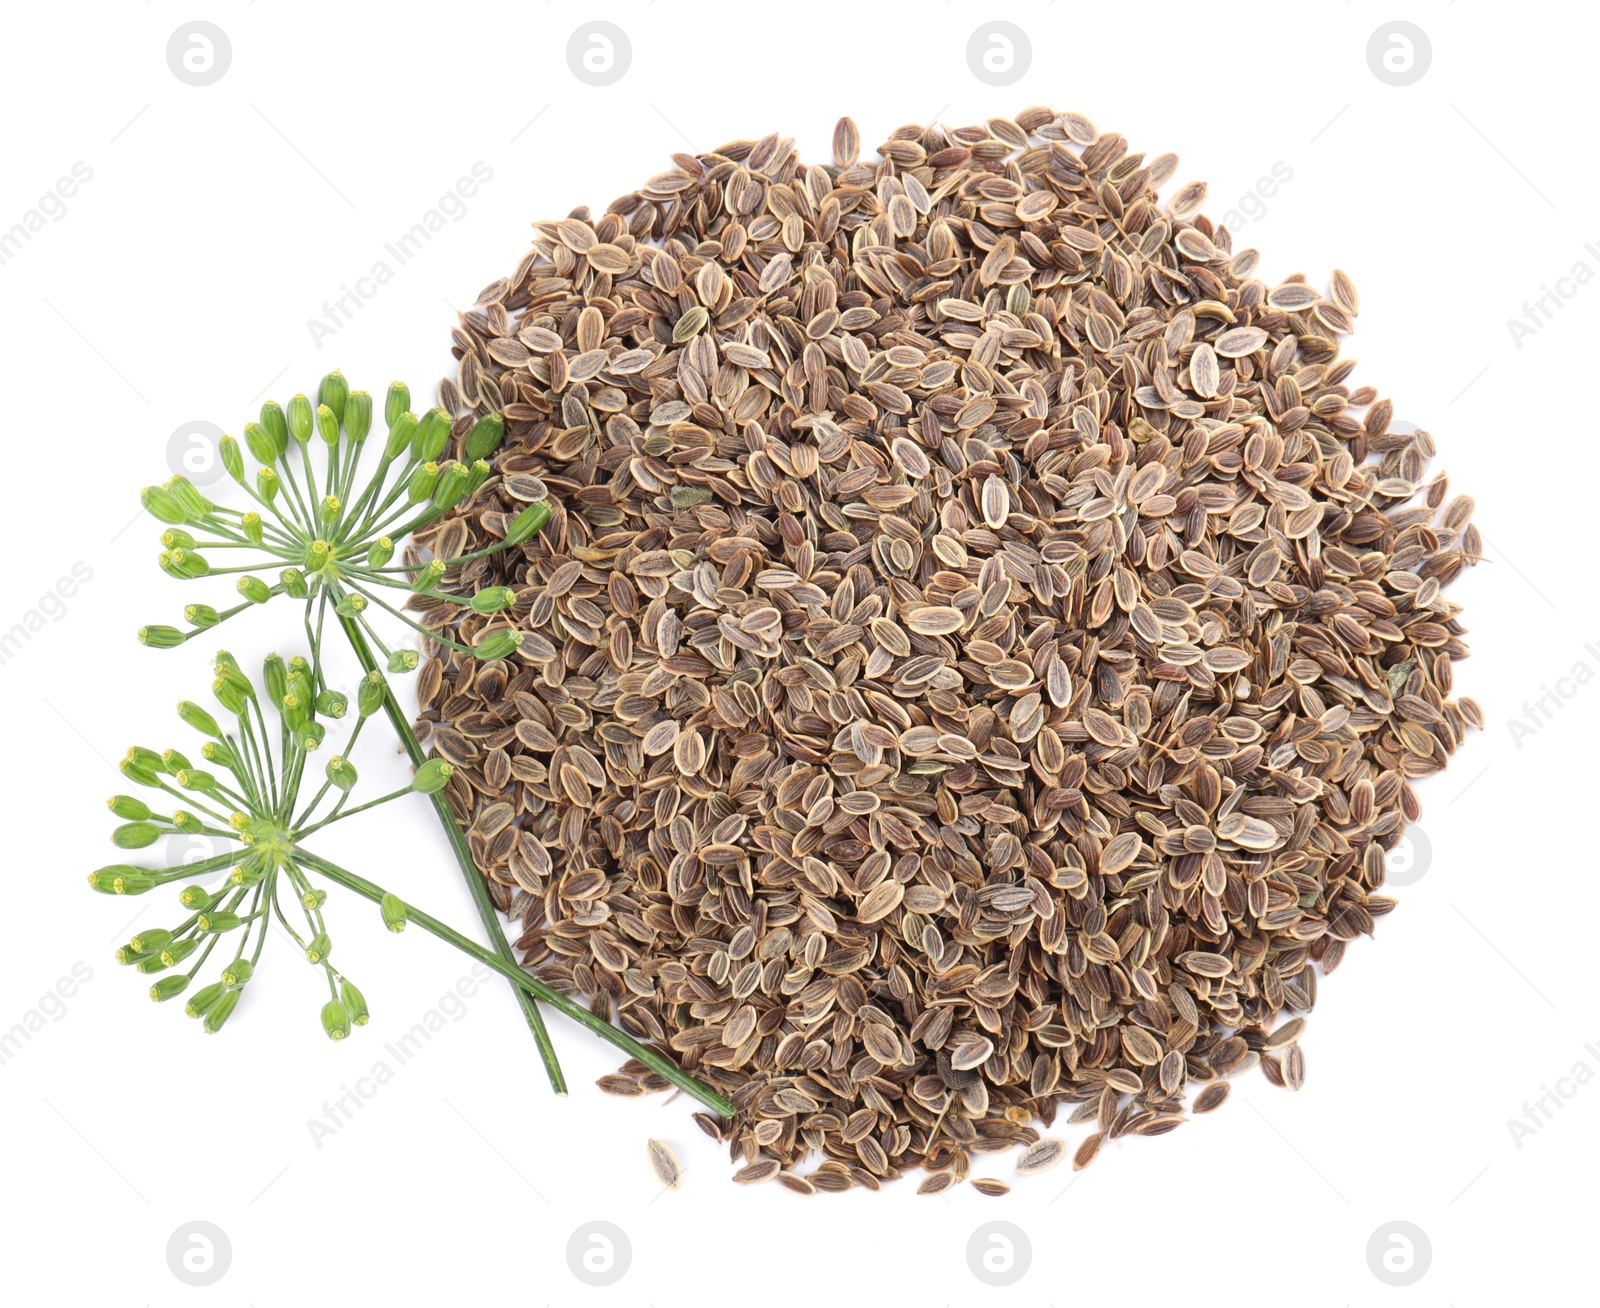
[(333, 504), (254, 782)]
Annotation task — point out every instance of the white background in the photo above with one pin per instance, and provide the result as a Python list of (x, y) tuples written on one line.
[(178, 286)]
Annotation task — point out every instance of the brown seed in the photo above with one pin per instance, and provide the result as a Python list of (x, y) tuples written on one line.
[(989, 1186), (981, 653), (1086, 1151), (664, 1163), (1041, 1156)]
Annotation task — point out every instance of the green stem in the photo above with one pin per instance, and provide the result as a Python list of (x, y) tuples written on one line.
[(621, 1039), (487, 913)]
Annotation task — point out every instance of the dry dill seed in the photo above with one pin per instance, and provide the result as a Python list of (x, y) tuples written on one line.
[(980, 655), (664, 1163)]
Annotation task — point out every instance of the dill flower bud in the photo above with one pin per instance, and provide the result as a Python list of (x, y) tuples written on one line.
[(354, 1001), (498, 644), (300, 419), (272, 418), (429, 575), (370, 693), (423, 480), (216, 923), (267, 484), (232, 457), (433, 434), (314, 898), (197, 897), (250, 524), (380, 552), (493, 599), (294, 583), (450, 487), (395, 403), (187, 822), (357, 416), (151, 940), (485, 436), (394, 912), (200, 1003), (129, 808), (159, 637), (529, 522), (135, 835), (261, 443), (332, 393), (402, 431), (162, 504), (432, 776), (236, 973), (201, 615), (335, 1020), (332, 704), (319, 948), (178, 950), (403, 660), (168, 987), (341, 773), (254, 589), (219, 1011), (198, 718), (215, 751)]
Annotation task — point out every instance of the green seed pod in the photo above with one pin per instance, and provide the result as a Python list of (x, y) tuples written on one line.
[(261, 443), (402, 431), (433, 434), (185, 565), (335, 1020), (139, 775), (162, 504), (429, 575), (296, 712), (403, 660), (254, 589), (267, 484), (128, 955), (197, 897), (357, 416), (341, 772), (485, 436), (350, 605), (199, 719), (187, 822), (229, 695), (220, 754), (395, 403), (319, 947), (275, 676), (178, 950), (220, 1010), (232, 457), (477, 474), (314, 898), (176, 538), (145, 758), (380, 552), (201, 615), (529, 522), (498, 644), (250, 524), (216, 923), (493, 599), (370, 693), (130, 809), (159, 637), (318, 555), (201, 1001), (332, 704), (237, 972), (354, 1001), (168, 987), (432, 776), (423, 480), (150, 965), (151, 941), (246, 874), (329, 511), (450, 487), (195, 505), (135, 835), (332, 393), (301, 420), (196, 779), (294, 583), (273, 420), (174, 761), (310, 735), (394, 912)]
